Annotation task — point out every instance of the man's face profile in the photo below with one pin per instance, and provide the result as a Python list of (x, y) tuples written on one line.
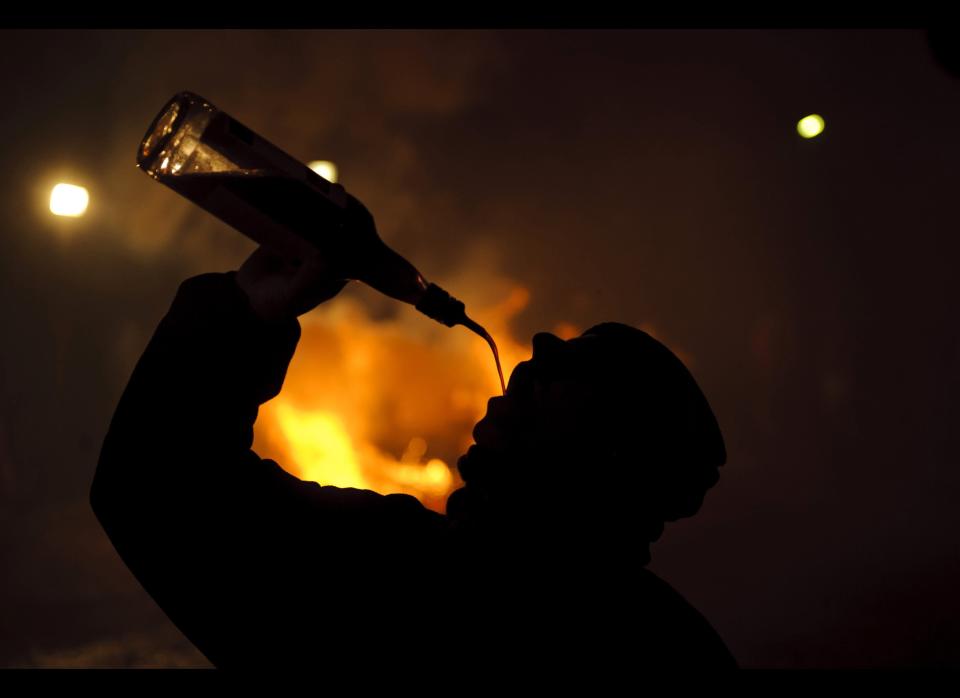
[(541, 416), (609, 426)]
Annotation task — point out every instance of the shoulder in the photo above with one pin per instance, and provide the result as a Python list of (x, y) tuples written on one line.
[(675, 631)]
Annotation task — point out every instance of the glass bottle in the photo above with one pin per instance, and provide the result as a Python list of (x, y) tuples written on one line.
[(216, 162)]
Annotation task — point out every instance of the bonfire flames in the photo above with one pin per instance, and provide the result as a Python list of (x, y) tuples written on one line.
[(387, 405)]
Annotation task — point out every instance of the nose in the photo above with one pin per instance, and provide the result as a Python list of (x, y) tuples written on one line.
[(547, 346), (548, 351)]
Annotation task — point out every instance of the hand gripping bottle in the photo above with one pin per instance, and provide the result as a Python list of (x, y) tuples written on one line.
[(225, 168)]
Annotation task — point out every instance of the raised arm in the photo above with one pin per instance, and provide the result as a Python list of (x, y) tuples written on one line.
[(252, 564)]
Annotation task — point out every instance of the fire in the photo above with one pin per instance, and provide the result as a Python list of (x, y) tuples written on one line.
[(319, 442), (386, 405)]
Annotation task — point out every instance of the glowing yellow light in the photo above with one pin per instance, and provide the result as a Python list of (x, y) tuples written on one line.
[(437, 474), (319, 442), (810, 126), (68, 200), (325, 169), (323, 451)]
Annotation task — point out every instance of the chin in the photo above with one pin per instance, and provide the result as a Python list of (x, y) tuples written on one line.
[(470, 461), (654, 531)]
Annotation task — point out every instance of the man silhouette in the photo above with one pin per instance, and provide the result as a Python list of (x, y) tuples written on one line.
[(538, 564)]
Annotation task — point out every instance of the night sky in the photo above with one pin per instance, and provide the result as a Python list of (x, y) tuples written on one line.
[(650, 177)]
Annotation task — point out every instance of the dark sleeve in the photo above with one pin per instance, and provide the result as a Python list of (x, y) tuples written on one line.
[(244, 558)]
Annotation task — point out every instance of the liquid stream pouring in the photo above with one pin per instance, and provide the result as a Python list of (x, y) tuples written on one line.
[(225, 168)]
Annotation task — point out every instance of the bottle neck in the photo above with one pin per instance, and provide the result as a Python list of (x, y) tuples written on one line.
[(383, 269), (442, 307), (439, 305), (391, 274)]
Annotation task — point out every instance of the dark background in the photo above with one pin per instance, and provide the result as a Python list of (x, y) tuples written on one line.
[(645, 176)]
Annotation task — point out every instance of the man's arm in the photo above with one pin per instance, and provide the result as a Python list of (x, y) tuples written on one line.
[(241, 555)]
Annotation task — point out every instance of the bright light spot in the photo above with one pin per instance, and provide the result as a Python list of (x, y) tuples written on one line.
[(810, 126), (319, 443), (437, 474), (68, 200), (325, 169), (566, 330)]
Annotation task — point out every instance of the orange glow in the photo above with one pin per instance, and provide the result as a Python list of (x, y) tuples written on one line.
[(319, 443), (386, 405), (566, 330)]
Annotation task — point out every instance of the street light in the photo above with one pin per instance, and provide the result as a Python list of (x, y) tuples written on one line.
[(325, 169), (810, 126), (69, 200)]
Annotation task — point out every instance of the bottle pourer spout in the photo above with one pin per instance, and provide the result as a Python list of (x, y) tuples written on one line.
[(444, 308), (470, 324)]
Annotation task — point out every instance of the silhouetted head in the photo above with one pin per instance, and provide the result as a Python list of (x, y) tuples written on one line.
[(606, 433)]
